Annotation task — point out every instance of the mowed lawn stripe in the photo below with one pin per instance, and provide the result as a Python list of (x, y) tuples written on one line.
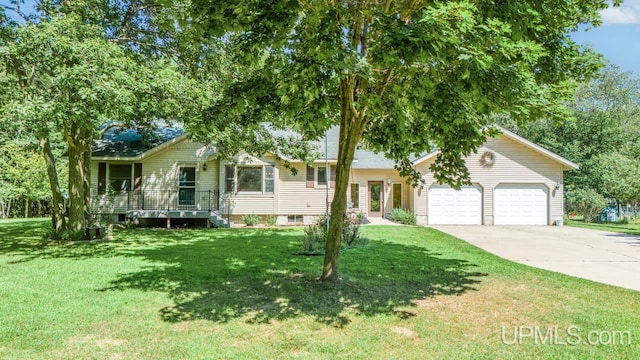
[(241, 293)]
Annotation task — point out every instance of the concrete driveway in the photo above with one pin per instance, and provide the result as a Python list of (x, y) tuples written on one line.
[(606, 257)]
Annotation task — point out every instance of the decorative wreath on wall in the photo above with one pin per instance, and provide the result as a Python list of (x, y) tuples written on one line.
[(487, 159)]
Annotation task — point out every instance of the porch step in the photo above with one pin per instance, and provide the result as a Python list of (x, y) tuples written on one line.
[(219, 221)]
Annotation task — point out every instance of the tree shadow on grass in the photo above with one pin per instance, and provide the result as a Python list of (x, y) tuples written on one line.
[(254, 276), (25, 240)]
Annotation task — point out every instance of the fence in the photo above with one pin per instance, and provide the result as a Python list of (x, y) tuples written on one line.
[(178, 199)]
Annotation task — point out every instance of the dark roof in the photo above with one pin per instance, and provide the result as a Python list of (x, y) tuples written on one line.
[(363, 159), (118, 142), (130, 143)]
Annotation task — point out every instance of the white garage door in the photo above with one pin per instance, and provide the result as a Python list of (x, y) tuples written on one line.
[(449, 206), (520, 205)]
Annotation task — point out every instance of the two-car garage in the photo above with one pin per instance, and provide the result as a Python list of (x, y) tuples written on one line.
[(513, 204), (515, 182)]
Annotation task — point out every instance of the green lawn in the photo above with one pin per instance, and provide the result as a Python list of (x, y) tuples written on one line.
[(632, 229), (413, 293)]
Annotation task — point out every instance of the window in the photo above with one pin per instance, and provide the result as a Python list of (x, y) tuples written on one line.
[(322, 175), (355, 195), (269, 179), (397, 196), (187, 186), (229, 176), (252, 178), (120, 177), (292, 219)]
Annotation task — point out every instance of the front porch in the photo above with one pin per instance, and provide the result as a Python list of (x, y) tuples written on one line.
[(175, 204), (167, 204)]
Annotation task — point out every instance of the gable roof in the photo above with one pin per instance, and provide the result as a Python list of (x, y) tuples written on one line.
[(129, 144), (522, 141)]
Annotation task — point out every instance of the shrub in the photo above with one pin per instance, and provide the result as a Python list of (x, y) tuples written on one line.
[(315, 235), (351, 232), (271, 220), (251, 220), (403, 216), (623, 221), (585, 201)]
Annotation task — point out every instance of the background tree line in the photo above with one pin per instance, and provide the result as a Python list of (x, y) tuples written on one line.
[(602, 135)]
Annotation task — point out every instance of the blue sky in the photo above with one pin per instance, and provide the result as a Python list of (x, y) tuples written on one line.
[(618, 38)]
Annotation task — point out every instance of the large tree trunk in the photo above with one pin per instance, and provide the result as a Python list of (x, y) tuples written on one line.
[(57, 202), (351, 128), (77, 198)]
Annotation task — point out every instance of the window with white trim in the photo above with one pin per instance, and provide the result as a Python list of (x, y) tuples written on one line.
[(322, 175), (229, 178), (120, 177), (187, 185), (250, 179)]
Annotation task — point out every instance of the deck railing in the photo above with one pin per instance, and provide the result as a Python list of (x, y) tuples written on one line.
[(173, 199)]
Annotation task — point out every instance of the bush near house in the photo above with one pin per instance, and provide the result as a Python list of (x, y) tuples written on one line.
[(271, 220), (315, 235), (251, 220), (403, 217)]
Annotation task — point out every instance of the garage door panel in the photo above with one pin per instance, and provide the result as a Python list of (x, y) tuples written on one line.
[(520, 205), (449, 206)]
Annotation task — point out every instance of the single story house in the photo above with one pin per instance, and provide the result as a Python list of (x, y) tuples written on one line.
[(514, 182)]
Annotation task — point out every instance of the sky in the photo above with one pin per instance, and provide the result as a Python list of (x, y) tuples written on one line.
[(618, 38)]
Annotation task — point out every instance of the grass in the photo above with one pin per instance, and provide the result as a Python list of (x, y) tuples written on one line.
[(631, 229), (413, 293)]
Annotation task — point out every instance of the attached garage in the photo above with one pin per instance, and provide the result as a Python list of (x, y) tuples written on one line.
[(516, 182), (449, 206), (521, 204)]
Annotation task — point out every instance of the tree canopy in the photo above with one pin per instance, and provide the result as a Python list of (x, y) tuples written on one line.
[(399, 77), (68, 72)]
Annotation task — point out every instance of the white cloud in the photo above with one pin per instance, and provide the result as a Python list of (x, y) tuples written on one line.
[(612, 16), (627, 13)]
